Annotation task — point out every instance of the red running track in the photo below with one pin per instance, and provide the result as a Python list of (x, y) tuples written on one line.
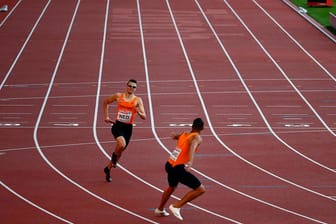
[(260, 75)]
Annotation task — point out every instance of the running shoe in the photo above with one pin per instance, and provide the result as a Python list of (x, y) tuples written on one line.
[(4, 8), (107, 174), (158, 212), (176, 212)]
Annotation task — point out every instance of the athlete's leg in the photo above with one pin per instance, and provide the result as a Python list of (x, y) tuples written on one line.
[(191, 195), (165, 197), (119, 148)]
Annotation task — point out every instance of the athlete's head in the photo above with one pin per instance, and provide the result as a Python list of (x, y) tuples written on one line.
[(132, 80), (131, 85), (198, 124)]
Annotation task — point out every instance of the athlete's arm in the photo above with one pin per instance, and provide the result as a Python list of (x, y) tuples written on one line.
[(140, 109), (194, 144), (107, 101), (175, 136)]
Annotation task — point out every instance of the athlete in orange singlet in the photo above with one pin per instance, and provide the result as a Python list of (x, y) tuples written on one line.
[(128, 105), (178, 170)]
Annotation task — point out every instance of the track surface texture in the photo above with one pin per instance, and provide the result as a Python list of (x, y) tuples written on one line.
[(261, 77)]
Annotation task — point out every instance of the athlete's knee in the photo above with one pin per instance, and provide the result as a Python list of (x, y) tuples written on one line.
[(169, 190), (200, 189), (121, 144)]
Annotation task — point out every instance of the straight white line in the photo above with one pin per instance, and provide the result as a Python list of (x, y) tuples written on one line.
[(16, 105), (237, 114), (72, 113), (311, 21), (175, 93), (229, 106), (292, 115), (171, 81), (24, 45), (10, 13), (178, 114), (33, 204), (174, 105), (253, 99), (296, 42), (292, 118), (328, 106), (283, 74), (9, 113), (70, 105), (283, 106)]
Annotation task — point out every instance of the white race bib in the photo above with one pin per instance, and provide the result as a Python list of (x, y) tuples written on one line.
[(174, 155), (124, 116)]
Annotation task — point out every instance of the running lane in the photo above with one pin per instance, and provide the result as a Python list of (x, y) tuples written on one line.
[(169, 83), (310, 87), (13, 32), (22, 169), (266, 100), (66, 123), (66, 132)]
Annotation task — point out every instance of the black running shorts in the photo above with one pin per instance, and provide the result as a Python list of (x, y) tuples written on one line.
[(178, 174), (121, 129)]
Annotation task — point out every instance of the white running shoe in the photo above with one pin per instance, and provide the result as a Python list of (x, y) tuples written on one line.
[(4, 8), (176, 212), (158, 212)]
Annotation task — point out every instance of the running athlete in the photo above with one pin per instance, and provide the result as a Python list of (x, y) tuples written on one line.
[(128, 105), (178, 169)]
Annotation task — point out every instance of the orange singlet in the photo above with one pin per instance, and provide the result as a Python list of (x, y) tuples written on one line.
[(126, 110), (181, 154)]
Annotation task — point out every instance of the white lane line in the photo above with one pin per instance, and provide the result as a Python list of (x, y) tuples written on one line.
[(24, 46), (211, 127), (33, 204), (10, 13), (70, 113), (239, 125), (66, 124), (16, 105), (283, 106), (153, 123), (283, 72), (15, 113), (70, 105), (254, 100), (151, 112), (297, 125), (10, 124), (40, 151)]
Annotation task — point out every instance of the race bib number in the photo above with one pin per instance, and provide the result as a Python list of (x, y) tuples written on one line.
[(124, 116), (174, 155)]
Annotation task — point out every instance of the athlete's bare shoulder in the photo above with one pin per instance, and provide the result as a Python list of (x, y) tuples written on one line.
[(197, 138), (116, 96)]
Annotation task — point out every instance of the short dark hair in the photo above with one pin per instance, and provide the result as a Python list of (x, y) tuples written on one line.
[(198, 124), (132, 80)]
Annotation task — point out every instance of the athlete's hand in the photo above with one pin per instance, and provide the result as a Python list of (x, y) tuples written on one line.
[(141, 113), (174, 135), (108, 120), (187, 167)]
